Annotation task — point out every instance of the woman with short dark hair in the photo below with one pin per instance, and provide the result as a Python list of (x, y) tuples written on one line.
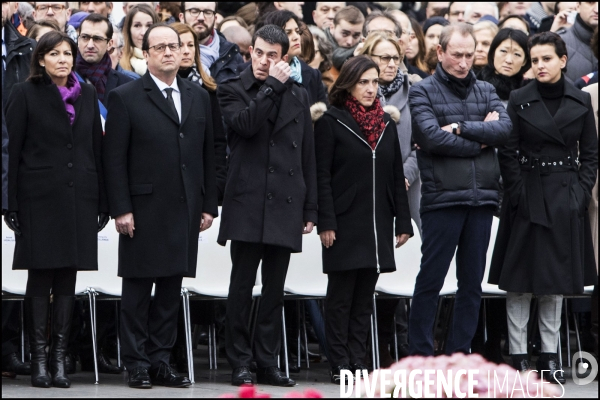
[(549, 166), (508, 60), (361, 191), (57, 201)]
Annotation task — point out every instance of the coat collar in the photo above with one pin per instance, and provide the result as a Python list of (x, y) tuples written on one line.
[(161, 102), (248, 79), (530, 106)]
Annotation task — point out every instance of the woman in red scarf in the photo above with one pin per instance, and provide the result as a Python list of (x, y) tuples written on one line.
[(361, 191)]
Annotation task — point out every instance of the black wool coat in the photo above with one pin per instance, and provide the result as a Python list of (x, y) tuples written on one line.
[(271, 188), (361, 191), (161, 171), (544, 243), (55, 181)]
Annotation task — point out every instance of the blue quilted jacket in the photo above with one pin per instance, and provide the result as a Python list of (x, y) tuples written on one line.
[(454, 169)]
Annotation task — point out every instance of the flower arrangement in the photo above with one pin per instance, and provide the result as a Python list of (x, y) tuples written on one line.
[(249, 392), (457, 375)]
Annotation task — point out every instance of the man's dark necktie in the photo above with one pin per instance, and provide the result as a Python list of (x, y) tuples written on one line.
[(171, 102)]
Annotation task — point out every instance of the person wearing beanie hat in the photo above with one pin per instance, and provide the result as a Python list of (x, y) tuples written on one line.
[(76, 19), (432, 28)]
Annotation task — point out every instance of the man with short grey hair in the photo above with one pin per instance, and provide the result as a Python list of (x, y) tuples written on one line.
[(474, 11), (457, 121)]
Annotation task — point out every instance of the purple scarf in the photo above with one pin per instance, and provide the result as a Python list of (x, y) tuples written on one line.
[(96, 73), (69, 95)]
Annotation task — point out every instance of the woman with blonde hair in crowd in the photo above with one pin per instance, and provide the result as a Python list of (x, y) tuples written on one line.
[(137, 22), (484, 31)]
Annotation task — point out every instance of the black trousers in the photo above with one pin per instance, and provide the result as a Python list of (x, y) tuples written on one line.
[(348, 309), (267, 336), (149, 326), (466, 231)]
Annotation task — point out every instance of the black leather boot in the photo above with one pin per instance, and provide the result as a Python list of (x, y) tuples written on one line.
[(37, 329), (62, 310)]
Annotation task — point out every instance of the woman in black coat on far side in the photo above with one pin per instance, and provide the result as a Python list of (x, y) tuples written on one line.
[(549, 166), (57, 200), (361, 190)]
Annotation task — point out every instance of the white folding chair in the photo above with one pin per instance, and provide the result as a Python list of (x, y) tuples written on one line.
[(13, 282), (213, 273)]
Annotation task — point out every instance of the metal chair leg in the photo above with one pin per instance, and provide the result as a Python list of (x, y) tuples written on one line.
[(298, 325), (485, 333), (92, 298), (567, 333), (395, 339), (373, 343), (285, 350), (188, 333), (210, 348), (559, 351), (118, 324), (22, 333), (215, 344), (376, 333), (577, 335), (305, 337)]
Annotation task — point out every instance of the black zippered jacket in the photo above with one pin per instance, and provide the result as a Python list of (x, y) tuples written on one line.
[(18, 59)]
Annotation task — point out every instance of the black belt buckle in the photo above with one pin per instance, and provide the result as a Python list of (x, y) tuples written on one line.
[(544, 165)]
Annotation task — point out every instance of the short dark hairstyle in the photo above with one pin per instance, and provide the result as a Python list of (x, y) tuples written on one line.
[(49, 41), (146, 45), (519, 37), (514, 16), (550, 38), (278, 18), (273, 34), (96, 19), (350, 74), (382, 14)]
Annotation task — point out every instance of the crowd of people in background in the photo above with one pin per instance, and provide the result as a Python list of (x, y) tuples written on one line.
[(361, 119)]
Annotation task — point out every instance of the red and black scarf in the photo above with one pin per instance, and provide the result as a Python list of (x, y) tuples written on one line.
[(97, 74), (370, 120)]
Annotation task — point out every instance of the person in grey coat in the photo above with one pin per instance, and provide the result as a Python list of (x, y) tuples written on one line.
[(581, 58)]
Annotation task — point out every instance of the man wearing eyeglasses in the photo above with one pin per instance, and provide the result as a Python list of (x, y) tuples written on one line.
[(160, 176), (93, 62), (219, 56), (59, 12), (93, 65)]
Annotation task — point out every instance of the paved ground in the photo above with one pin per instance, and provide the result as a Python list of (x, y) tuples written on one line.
[(208, 384)]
